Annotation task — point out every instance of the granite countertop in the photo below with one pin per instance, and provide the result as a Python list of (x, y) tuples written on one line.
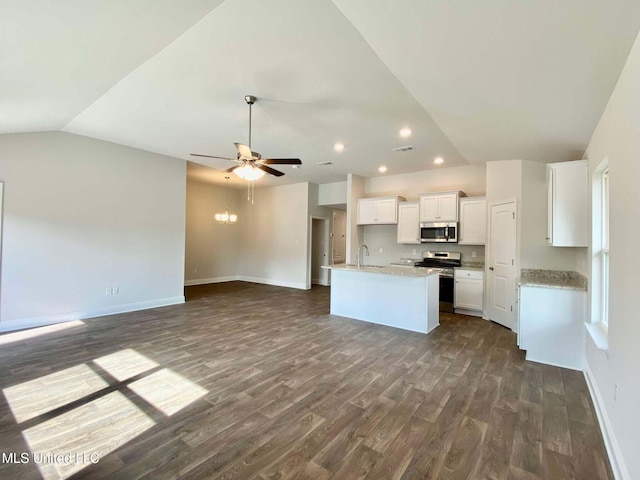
[(552, 279), (472, 266), (388, 270)]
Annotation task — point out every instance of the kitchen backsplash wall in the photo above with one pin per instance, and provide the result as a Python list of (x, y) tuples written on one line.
[(385, 237)]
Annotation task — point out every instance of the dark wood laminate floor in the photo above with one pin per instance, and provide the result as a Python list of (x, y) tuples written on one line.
[(250, 381)]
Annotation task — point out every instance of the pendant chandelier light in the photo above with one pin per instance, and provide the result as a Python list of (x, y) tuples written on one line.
[(226, 217)]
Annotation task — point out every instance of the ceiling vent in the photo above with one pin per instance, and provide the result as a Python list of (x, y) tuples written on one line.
[(324, 163), (408, 148)]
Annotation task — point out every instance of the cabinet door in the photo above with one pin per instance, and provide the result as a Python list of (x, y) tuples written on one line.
[(468, 294), (473, 222), (570, 201), (448, 208), (429, 209), (366, 211), (386, 211), (409, 222)]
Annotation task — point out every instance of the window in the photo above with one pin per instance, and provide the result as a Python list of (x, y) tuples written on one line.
[(604, 252), (599, 323)]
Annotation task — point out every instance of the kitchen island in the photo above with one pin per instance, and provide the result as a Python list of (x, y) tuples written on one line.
[(401, 297)]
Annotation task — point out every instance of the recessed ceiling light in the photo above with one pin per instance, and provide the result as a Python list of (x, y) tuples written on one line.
[(438, 160), (382, 169), (405, 132), (338, 147)]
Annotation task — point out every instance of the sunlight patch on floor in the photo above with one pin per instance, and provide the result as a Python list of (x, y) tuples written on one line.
[(90, 431), (125, 364), (8, 338), (167, 391), (44, 394)]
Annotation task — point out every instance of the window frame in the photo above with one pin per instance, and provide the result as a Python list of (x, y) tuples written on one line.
[(604, 249)]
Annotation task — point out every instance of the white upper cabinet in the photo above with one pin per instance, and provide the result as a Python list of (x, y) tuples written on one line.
[(473, 221), (409, 222), (568, 198), (439, 207), (378, 210)]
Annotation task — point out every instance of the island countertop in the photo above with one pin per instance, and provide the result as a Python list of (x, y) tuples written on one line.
[(388, 270)]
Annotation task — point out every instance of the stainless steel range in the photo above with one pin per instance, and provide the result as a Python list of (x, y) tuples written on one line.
[(444, 263)]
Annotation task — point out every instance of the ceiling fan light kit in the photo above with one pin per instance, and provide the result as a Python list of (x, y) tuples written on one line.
[(248, 172)]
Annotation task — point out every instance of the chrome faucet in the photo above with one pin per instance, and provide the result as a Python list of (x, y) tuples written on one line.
[(366, 249)]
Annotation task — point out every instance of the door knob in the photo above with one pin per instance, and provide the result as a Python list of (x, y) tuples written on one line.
[(490, 268)]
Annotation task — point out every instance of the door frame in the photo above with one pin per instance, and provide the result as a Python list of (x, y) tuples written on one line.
[(1, 220), (488, 260), (326, 224), (342, 213)]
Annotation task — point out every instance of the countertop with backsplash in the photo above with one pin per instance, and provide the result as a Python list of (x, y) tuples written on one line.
[(552, 279)]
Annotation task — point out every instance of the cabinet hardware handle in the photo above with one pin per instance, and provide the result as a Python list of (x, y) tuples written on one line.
[(490, 268)]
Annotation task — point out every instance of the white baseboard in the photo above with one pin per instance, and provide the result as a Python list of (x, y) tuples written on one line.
[(620, 471), (529, 358), (277, 283), (205, 281), (471, 313), (22, 323)]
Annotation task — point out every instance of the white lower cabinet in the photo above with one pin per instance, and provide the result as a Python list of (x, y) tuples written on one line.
[(551, 326), (469, 291)]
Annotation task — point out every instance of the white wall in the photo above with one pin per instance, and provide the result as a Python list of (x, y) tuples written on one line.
[(534, 249), (81, 215), (469, 178), (617, 137), (332, 194), (212, 249), (275, 230), (355, 234)]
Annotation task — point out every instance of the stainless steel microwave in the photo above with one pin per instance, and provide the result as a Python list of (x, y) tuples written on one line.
[(439, 232)]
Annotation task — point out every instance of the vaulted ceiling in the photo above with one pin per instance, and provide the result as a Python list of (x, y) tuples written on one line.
[(475, 81)]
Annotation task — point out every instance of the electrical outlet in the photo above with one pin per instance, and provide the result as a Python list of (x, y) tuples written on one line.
[(195, 270), (380, 250), (473, 254), (615, 392), (413, 252)]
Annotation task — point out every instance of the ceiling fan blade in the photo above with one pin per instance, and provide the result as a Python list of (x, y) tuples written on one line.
[(270, 170), (244, 151), (210, 156), (282, 161)]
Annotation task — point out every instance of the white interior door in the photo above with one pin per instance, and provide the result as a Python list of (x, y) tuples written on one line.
[(319, 275), (339, 249), (501, 273)]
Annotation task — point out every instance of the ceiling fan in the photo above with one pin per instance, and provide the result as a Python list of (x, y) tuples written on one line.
[(250, 164)]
